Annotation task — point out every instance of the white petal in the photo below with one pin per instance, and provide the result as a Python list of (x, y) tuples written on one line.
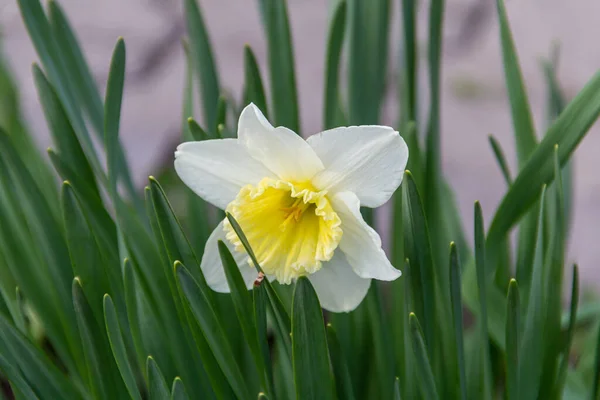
[(212, 268), (338, 287), (360, 243), (366, 160), (279, 149), (216, 170)]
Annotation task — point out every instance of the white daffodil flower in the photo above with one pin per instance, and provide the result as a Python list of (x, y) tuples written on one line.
[(298, 202)]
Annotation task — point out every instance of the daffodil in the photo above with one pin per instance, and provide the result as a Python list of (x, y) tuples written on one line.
[(298, 202)]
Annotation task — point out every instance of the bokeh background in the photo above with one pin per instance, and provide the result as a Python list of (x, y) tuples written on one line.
[(474, 101)]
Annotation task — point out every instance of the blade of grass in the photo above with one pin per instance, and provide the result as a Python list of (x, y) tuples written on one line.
[(409, 24), (513, 325), (312, 375)]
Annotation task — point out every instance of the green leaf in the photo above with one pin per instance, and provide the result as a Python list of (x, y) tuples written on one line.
[(284, 95), (16, 380), (34, 365), (513, 326), (409, 101), (457, 314), (157, 386), (212, 329), (521, 114), (397, 393), (201, 52), (281, 315), (103, 380), (178, 390), (567, 131), (332, 109), (112, 118), (62, 132), (368, 40), (118, 347), (566, 352), (312, 375), (418, 250), (532, 348), (198, 134), (480, 266), (339, 365), (382, 358), (243, 308), (422, 364), (254, 91), (501, 159)]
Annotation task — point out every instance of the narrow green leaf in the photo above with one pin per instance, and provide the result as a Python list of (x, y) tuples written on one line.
[(284, 95), (513, 324), (262, 396), (521, 114), (282, 317), (339, 365), (260, 299), (198, 134), (312, 375), (201, 52), (332, 109), (368, 39), (90, 265), (532, 348), (418, 250), (422, 364), (37, 369), (482, 291), (178, 390), (157, 386), (501, 159), (254, 91), (433, 175), (567, 131), (596, 377), (112, 117), (213, 331), (458, 318), (132, 310), (409, 25), (243, 308), (86, 321), (62, 132), (382, 358), (16, 380), (397, 393), (118, 347), (564, 364)]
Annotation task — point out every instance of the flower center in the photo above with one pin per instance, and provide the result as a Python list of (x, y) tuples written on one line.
[(291, 227)]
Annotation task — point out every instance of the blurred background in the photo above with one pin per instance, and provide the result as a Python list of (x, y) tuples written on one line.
[(474, 102)]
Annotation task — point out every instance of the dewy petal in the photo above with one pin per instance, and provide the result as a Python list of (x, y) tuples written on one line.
[(212, 267), (338, 287), (279, 149), (216, 170), (366, 160), (360, 243)]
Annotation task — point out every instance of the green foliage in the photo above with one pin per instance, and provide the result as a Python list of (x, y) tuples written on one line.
[(95, 300)]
